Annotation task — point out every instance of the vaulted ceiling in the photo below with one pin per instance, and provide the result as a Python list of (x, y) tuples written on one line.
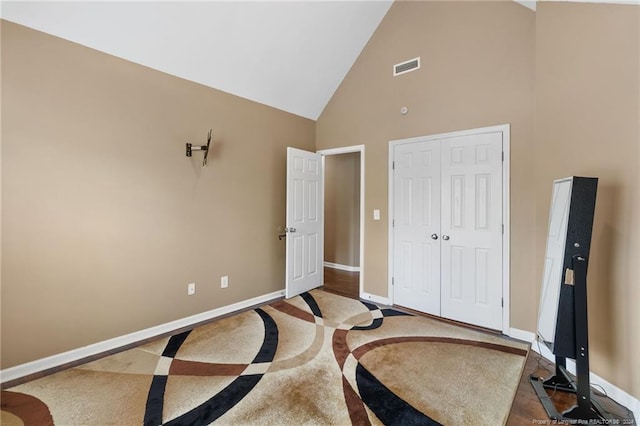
[(291, 55)]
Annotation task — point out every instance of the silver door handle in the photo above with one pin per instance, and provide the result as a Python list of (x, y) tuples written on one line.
[(290, 230), (434, 236), (445, 237)]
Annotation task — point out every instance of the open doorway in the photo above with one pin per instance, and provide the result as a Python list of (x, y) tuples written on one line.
[(343, 220)]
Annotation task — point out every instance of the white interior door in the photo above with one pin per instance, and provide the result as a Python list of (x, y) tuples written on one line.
[(472, 229), (305, 246), (416, 282), (448, 226)]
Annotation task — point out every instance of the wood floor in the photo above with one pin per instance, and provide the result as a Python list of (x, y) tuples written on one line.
[(526, 408)]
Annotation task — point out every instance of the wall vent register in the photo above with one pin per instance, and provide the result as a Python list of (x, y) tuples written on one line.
[(406, 66)]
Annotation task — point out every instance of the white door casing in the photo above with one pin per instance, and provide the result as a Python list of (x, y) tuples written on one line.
[(472, 229), (347, 150), (474, 264), (305, 211), (417, 226)]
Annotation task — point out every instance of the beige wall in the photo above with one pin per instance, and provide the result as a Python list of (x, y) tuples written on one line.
[(573, 70), (342, 209), (588, 124), (105, 220), (477, 70)]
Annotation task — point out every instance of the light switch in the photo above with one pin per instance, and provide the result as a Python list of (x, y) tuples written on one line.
[(376, 214)]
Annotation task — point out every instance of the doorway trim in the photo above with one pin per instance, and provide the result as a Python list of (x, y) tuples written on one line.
[(349, 150), (505, 129)]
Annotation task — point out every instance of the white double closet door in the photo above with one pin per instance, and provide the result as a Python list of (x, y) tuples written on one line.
[(447, 227)]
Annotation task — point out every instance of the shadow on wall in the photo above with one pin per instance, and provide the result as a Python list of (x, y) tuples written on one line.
[(605, 239)]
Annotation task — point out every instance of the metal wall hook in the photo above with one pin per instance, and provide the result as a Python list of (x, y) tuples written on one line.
[(190, 148)]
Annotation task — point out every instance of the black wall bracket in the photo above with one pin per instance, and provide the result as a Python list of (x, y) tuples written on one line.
[(190, 148)]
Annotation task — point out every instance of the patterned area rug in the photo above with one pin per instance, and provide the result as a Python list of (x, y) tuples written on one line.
[(318, 359)]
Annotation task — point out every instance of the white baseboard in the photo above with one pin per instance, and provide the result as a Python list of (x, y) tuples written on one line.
[(342, 267), (375, 299), (526, 336), (57, 360), (611, 390)]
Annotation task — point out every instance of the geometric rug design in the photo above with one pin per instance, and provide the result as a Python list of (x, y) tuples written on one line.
[(317, 358)]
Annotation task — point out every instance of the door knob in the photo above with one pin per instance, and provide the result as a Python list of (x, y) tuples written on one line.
[(445, 237), (434, 236)]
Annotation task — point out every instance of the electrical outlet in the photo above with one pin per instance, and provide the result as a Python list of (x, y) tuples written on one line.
[(224, 282), (191, 289)]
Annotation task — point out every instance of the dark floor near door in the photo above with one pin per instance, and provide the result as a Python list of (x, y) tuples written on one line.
[(341, 282), (526, 406)]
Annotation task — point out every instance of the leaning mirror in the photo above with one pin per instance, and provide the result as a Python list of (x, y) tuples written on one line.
[(562, 316), (554, 260)]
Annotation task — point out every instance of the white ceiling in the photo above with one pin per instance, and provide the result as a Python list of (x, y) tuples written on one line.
[(291, 55)]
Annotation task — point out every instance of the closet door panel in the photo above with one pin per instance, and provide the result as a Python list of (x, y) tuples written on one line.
[(417, 226), (471, 246)]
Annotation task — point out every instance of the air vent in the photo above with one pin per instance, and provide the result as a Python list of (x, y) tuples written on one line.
[(406, 66)]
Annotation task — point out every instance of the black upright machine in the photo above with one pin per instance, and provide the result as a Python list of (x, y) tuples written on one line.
[(562, 318)]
